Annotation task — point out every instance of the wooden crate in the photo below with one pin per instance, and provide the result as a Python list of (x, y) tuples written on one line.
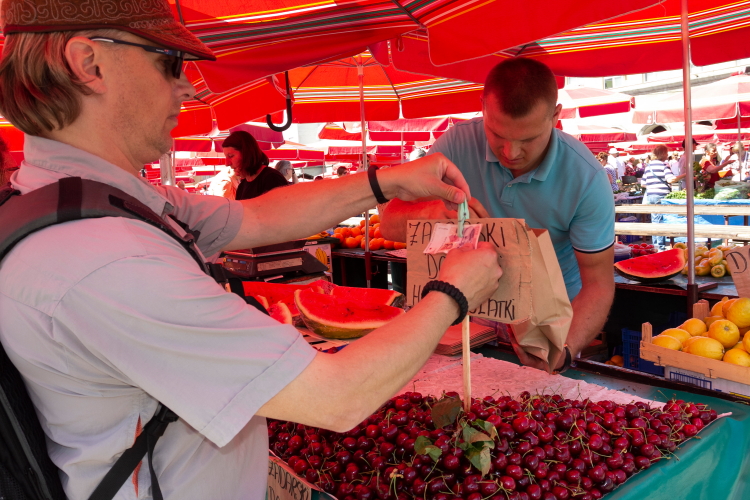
[(710, 368)]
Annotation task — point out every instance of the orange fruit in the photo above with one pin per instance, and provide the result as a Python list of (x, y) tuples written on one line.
[(706, 347), (678, 333), (694, 327), (337, 230), (711, 319), (346, 232), (737, 357), (746, 342), (374, 219), (377, 233), (399, 245), (375, 245), (668, 342), (372, 232), (725, 332), (716, 309), (388, 245), (726, 305), (739, 313), (686, 345), (350, 242), (356, 232), (362, 223)]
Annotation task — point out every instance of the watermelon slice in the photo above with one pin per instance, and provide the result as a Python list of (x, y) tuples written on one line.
[(263, 301), (652, 268), (279, 292), (374, 295), (334, 318), (280, 312)]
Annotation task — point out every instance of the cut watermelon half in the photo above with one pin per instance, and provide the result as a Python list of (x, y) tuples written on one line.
[(280, 312), (332, 317), (652, 268)]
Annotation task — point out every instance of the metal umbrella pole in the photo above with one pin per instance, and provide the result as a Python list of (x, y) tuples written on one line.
[(692, 287), (365, 164)]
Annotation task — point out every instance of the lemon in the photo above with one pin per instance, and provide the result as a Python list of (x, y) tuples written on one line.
[(739, 346), (679, 245), (679, 333), (707, 348), (711, 319), (716, 309), (726, 305), (694, 327), (737, 357), (725, 332), (686, 345), (668, 342), (739, 313)]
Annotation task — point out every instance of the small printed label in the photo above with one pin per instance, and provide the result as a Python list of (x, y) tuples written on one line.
[(279, 264)]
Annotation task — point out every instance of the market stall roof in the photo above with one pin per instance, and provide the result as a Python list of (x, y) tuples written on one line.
[(583, 102), (723, 99), (638, 42), (596, 137), (254, 39), (411, 130)]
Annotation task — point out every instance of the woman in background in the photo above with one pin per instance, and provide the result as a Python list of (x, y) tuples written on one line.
[(611, 171), (250, 164)]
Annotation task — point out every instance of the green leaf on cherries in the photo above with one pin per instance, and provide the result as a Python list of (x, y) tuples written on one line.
[(445, 412), (473, 437), (488, 428), (480, 459), (424, 446)]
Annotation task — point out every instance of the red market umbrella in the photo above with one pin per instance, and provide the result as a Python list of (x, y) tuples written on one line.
[(640, 42), (330, 92), (597, 138), (724, 99), (228, 109), (253, 39), (584, 102), (701, 133), (416, 129)]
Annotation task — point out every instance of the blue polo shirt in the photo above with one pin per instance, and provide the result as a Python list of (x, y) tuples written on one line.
[(568, 194)]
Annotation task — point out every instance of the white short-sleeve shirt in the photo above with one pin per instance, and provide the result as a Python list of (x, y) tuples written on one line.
[(104, 318)]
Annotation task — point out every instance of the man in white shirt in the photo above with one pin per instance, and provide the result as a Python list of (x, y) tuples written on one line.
[(105, 318), (616, 163)]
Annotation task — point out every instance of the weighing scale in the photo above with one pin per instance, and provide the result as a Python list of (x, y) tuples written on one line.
[(286, 260)]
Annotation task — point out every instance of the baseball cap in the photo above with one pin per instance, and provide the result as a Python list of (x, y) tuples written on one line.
[(149, 19), (613, 151)]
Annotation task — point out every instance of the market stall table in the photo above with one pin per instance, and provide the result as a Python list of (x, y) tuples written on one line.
[(715, 466), (677, 285)]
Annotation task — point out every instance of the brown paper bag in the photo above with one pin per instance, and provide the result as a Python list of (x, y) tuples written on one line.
[(545, 332)]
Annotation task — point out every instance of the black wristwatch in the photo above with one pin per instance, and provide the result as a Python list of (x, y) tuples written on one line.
[(453, 292), (567, 362)]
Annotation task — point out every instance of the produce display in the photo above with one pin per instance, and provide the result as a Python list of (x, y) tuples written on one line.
[(346, 314), (708, 194), (354, 236), (723, 336), (708, 261), (537, 447), (652, 268)]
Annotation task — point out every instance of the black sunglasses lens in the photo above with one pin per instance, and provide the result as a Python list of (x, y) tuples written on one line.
[(177, 66)]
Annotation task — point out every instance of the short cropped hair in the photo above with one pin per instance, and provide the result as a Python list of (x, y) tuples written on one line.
[(245, 143), (38, 91), (519, 84), (660, 150)]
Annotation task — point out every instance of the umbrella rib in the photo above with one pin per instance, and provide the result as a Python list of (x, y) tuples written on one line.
[(408, 13)]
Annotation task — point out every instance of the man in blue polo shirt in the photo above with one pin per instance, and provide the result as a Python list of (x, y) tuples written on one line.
[(519, 165)]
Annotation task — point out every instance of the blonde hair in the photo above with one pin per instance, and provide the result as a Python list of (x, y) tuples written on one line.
[(38, 91)]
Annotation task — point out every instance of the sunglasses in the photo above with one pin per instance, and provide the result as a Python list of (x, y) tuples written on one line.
[(178, 57)]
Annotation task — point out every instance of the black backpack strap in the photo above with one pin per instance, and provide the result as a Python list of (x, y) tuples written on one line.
[(129, 460)]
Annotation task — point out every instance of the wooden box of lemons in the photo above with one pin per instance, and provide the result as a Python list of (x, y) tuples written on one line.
[(725, 335)]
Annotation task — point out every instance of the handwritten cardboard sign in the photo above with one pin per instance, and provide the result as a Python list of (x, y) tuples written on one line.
[(511, 303), (738, 260), (284, 484)]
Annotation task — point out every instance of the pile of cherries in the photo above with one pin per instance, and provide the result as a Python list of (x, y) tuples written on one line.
[(545, 447)]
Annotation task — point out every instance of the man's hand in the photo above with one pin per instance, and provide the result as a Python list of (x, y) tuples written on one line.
[(527, 359), (432, 176), (474, 272)]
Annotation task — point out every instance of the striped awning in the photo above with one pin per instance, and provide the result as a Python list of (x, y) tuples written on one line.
[(253, 39), (640, 42)]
